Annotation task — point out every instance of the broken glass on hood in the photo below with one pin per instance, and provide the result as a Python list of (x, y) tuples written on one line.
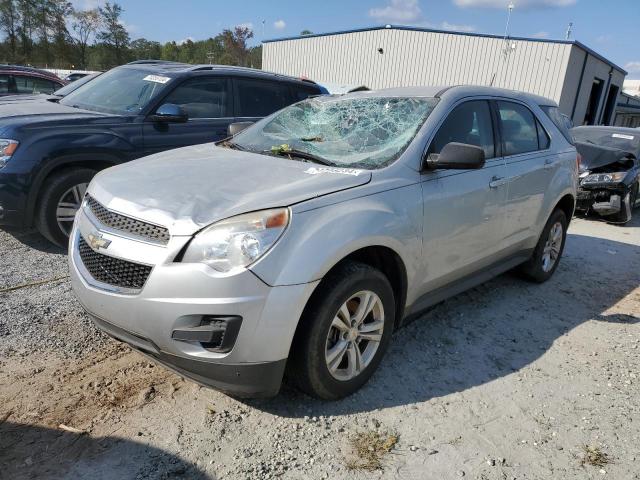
[(361, 131)]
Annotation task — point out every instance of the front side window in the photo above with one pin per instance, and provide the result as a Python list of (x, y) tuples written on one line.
[(363, 132), (519, 129), (468, 123), (202, 97), (258, 98), (121, 91)]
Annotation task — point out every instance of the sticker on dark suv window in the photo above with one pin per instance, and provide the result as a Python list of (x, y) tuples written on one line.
[(156, 79)]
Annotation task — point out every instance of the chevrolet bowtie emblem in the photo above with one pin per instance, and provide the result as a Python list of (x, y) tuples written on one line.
[(96, 241)]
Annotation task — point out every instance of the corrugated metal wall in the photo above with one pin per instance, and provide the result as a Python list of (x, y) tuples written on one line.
[(421, 58)]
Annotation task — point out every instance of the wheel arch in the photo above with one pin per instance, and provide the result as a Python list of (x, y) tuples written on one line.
[(99, 161)]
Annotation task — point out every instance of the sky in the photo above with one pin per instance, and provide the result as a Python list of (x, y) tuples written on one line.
[(610, 27)]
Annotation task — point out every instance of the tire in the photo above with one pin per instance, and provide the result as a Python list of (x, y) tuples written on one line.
[(65, 189), (537, 268), (318, 338)]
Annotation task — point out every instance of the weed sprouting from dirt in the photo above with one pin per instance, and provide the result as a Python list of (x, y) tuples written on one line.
[(369, 448), (594, 456)]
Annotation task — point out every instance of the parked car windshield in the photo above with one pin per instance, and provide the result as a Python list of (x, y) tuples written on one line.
[(121, 91), (622, 140), (364, 132)]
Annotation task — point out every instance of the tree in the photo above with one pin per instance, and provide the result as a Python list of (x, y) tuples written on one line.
[(60, 11), (9, 23), (113, 34), (306, 32), (85, 24), (234, 43), (143, 49)]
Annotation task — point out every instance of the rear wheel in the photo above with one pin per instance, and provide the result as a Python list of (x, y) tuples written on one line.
[(344, 333), (547, 253), (61, 198)]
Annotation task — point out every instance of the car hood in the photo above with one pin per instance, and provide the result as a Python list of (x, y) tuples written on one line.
[(18, 113), (189, 188), (596, 156)]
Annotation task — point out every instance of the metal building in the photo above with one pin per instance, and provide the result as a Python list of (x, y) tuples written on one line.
[(585, 84)]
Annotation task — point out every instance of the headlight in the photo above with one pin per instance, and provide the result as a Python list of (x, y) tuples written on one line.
[(7, 147), (605, 177), (237, 242)]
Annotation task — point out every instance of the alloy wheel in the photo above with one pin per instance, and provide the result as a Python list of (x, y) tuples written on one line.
[(552, 248), (68, 205), (354, 336)]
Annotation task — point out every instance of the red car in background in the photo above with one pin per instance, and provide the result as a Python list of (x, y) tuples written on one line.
[(16, 80)]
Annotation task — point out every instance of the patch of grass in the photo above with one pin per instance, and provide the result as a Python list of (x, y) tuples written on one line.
[(369, 448), (594, 456)]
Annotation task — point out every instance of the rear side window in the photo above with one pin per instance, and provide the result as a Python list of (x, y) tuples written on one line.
[(519, 129), (468, 123), (259, 98), (301, 93), (202, 97), (34, 85), (4, 84), (559, 121)]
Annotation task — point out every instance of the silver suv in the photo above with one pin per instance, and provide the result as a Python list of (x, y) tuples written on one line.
[(304, 241)]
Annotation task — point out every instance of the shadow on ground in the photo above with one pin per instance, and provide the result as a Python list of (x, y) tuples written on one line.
[(37, 452), (488, 332), (32, 238)]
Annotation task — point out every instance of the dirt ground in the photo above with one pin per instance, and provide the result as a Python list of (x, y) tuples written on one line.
[(507, 381)]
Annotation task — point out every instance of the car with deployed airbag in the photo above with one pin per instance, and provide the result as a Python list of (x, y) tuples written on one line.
[(301, 243)]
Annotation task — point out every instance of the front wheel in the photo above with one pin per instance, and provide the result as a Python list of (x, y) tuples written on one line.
[(546, 255), (344, 332), (60, 199)]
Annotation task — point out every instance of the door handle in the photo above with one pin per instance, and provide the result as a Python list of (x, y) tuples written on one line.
[(549, 164), (497, 181)]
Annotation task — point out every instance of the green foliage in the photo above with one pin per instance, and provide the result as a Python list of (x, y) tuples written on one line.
[(50, 33)]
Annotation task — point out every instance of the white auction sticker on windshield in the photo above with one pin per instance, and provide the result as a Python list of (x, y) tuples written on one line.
[(156, 79), (343, 171), (621, 135)]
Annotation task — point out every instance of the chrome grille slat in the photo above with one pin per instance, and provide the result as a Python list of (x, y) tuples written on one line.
[(144, 230), (112, 271)]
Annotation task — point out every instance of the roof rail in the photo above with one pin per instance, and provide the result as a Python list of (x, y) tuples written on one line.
[(152, 62)]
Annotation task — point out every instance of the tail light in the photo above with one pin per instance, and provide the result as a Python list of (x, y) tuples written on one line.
[(578, 161)]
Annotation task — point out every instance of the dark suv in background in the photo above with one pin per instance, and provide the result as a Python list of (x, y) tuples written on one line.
[(15, 80), (49, 151)]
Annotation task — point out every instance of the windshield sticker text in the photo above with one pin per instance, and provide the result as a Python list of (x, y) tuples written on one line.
[(342, 171), (156, 79)]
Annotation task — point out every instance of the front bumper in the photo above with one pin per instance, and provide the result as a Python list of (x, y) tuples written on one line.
[(179, 295), (13, 200), (603, 199)]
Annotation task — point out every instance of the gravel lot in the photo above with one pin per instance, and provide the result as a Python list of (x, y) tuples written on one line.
[(507, 381)]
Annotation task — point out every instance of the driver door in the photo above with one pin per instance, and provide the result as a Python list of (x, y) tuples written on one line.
[(463, 209), (208, 102)]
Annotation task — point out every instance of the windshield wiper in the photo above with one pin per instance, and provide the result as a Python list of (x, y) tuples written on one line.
[(300, 154), (234, 145)]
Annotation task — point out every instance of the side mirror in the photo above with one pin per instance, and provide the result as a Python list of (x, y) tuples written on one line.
[(170, 113), (455, 156), (237, 127)]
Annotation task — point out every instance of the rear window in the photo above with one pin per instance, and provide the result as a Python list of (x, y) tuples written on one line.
[(558, 120), (258, 98), (4, 83), (304, 92)]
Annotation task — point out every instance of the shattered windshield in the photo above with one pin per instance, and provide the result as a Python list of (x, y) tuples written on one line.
[(363, 132), (622, 139)]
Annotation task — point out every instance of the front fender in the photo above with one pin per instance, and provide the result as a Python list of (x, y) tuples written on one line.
[(318, 239)]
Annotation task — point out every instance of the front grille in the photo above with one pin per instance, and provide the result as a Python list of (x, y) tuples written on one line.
[(123, 223), (112, 271)]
